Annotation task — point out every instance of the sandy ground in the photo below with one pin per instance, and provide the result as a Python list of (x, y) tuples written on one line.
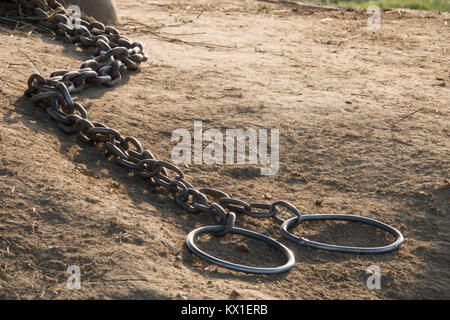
[(332, 88)]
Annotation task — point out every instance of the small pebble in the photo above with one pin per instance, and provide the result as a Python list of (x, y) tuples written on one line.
[(243, 247), (318, 202), (234, 293)]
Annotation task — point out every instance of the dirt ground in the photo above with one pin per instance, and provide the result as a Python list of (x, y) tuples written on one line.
[(364, 129)]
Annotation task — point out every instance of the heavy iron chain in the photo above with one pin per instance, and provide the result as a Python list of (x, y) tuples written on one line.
[(114, 55)]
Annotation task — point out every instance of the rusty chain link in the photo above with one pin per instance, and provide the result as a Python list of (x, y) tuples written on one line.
[(113, 56)]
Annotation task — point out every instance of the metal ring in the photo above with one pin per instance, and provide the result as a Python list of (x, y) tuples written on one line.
[(318, 245), (190, 242)]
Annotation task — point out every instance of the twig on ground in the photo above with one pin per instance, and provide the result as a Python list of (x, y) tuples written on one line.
[(31, 60), (303, 5), (168, 33), (143, 24), (24, 25), (9, 84), (158, 35), (396, 141), (191, 43), (345, 40), (156, 4), (4, 70), (185, 34), (405, 117), (184, 22), (280, 11)]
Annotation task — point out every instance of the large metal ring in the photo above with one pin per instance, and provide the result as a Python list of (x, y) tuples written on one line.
[(305, 242), (190, 242)]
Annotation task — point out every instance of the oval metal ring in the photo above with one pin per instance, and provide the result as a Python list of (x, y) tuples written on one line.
[(190, 242), (318, 245)]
